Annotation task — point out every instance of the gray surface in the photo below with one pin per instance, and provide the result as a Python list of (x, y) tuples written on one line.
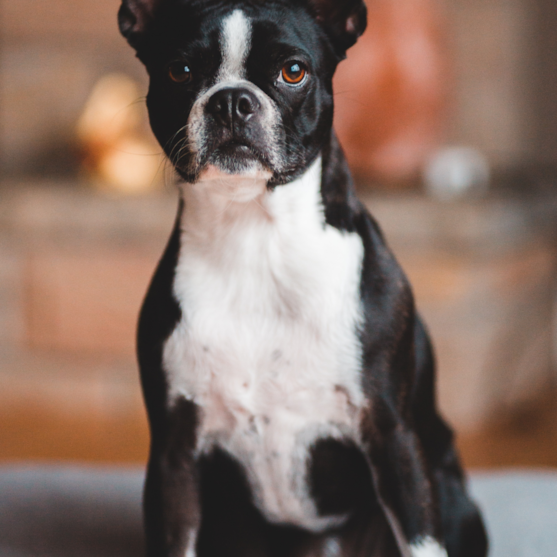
[(520, 509), (70, 512), (96, 512)]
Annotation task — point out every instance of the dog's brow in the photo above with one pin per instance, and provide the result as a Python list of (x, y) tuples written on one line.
[(235, 45)]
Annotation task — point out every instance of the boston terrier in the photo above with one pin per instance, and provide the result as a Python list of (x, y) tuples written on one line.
[(288, 380)]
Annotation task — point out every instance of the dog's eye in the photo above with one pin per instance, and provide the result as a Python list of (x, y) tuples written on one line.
[(179, 72), (293, 73)]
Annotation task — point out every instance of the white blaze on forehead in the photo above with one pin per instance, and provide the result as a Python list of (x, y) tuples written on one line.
[(235, 42)]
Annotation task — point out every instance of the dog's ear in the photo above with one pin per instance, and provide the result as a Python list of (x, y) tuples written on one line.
[(134, 18), (343, 20)]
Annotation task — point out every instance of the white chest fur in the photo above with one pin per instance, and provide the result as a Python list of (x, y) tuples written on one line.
[(267, 346)]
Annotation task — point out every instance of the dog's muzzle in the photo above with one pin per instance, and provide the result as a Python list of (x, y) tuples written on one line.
[(236, 128), (234, 117)]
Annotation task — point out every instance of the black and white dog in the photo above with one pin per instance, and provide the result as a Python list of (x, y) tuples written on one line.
[(288, 380)]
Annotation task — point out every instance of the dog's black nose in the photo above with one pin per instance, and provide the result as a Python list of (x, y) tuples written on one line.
[(233, 105)]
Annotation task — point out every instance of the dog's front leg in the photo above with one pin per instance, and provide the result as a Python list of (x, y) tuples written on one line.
[(403, 485), (171, 499)]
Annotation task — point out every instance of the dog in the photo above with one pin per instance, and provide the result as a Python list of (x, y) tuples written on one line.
[(288, 380)]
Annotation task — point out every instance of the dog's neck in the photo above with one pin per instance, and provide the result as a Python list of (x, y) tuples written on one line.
[(218, 204)]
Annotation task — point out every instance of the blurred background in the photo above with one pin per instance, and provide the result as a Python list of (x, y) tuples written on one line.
[(448, 112)]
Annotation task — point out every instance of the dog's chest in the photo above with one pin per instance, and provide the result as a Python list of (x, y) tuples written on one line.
[(268, 345)]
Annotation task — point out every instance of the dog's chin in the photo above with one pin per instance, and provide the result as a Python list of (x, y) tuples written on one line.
[(242, 185), (217, 172), (235, 172)]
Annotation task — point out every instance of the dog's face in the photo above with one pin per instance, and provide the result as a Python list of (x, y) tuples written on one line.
[(241, 87)]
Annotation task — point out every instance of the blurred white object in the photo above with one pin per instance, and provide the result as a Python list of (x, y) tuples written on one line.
[(455, 172), (119, 151)]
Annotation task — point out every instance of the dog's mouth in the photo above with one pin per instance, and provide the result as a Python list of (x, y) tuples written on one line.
[(235, 148), (237, 156)]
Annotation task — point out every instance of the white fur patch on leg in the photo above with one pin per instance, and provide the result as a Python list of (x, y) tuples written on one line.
[(192, 541), (427, 547), (235, 46), (331, 547)]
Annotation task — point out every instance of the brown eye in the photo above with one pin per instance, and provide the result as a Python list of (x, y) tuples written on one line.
[(293, 73), (179, 72)]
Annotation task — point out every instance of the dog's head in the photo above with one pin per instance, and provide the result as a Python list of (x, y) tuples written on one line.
[(241, 86)]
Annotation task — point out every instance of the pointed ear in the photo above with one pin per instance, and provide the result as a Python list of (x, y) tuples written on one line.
[(134, 18), (343, 20)]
